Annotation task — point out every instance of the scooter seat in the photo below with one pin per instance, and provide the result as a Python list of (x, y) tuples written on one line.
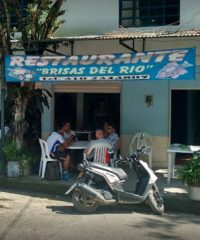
[(118, 171)]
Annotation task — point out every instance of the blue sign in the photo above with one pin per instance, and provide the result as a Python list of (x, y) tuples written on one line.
[(177, 64)]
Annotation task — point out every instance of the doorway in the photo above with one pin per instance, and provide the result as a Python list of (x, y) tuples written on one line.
[(100, 108), (65, 108), (185, 117), (80, 109)]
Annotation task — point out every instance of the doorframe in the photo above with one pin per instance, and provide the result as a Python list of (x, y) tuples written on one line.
[(100, 88), (170, 106)]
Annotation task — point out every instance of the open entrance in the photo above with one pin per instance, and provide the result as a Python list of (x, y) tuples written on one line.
[(185, 118), (65, 108), (185, 121), (100, 108), (87, 111)]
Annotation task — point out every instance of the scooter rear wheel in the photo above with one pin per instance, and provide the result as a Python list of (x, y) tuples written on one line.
[(83, 203), (156, 204)]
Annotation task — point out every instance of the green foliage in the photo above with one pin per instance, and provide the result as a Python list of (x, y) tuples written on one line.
[(27, 158), (39, 20), (11, 152), (37, 100), (23, 155), (190, 173), (34, 109), (42, 18)]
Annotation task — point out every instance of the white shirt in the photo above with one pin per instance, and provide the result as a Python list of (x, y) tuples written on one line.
[(54, 140), (68, 135)]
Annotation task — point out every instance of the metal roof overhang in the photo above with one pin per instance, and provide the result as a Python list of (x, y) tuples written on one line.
[(121, 35), (130, 35)]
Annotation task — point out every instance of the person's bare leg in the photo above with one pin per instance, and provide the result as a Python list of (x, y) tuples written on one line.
[(66, 163)]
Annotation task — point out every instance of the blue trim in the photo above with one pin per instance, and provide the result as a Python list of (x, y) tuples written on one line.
[(55, 147), (154, 65)]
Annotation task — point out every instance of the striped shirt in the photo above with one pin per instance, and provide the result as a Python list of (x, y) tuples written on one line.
[(113, 138)]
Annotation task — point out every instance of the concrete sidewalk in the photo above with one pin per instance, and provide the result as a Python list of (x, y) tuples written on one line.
[(174, 195)]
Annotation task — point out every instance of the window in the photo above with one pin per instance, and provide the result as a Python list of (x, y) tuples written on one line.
[(143, 13)]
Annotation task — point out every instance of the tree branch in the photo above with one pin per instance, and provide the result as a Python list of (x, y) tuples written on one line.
[(5, 28), (51, 18), (21, 26)]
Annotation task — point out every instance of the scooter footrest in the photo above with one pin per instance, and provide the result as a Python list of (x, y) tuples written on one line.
[(126, 197)]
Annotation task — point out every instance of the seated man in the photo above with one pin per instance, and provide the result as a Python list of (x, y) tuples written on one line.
[(99, 139), (57, 148), (113, 137), (69, 134)]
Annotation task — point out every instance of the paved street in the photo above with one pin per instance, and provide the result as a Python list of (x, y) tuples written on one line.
[(25, 217)]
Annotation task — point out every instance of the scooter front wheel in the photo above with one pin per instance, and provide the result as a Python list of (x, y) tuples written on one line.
[(83, 203), (155, 201)]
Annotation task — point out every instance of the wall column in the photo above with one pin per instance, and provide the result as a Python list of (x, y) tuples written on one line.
[(47, 122), (79, 111)]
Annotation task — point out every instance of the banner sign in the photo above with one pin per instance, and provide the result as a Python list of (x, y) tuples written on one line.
[(178, 64)]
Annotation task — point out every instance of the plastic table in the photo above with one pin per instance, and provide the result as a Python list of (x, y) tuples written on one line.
[(172, 150), (79, 145)]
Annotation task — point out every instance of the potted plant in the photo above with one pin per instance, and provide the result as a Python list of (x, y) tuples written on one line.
[(13, 157), (190, 174), (19, 161), (26, 163)]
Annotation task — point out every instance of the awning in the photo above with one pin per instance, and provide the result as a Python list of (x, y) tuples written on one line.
[(124, 34)]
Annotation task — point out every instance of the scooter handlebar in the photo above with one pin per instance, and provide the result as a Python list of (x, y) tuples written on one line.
[(134, 157), (123, 159), (141, 150), (120, 159)]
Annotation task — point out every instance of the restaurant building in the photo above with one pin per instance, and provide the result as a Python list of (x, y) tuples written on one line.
[(168, 108)]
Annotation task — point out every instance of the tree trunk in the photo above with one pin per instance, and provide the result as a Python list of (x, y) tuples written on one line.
[(20, 124)]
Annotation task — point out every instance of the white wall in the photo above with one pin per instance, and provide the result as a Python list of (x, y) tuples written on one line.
[(85, 17), (89, 17), (190, 14)]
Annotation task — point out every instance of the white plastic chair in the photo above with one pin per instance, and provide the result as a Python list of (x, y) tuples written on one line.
[(100, 150), (139, 140), (45, 157)]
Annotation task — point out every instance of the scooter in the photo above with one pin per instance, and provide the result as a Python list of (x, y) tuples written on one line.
[(103, 185)]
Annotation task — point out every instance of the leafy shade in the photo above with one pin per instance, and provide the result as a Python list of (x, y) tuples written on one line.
[(42, 19), (36, 20), (12, 153), (36, 99), (190, 173)]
